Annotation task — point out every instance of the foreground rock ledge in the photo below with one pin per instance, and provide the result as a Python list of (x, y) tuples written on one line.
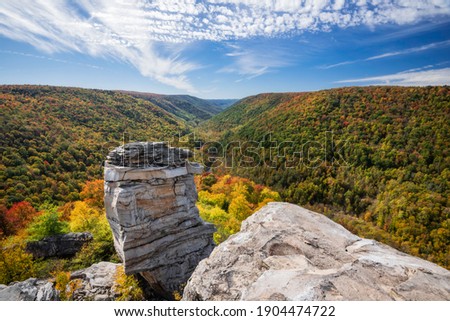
[(96, 283), (285, 252), (150, 206)]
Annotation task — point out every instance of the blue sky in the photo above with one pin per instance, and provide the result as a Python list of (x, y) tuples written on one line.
[(224, 48)]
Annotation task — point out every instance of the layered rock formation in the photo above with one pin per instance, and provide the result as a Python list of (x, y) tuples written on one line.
[(150, 205), (62, 246), (285, 252)]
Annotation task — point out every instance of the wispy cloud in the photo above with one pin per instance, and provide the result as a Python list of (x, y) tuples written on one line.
[(343, 63), (411, 30), (133, 31), (255, 60), (408, 78), (407, 51), (427, 67), (411, 50), (63, 61)]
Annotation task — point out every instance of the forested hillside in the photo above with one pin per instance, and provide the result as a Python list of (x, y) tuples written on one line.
[(377, 159), (54, 139)]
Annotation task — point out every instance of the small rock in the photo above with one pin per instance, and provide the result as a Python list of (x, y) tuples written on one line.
[(102, 297)]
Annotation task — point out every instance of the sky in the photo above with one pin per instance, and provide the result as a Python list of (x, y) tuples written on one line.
[(224, 48)]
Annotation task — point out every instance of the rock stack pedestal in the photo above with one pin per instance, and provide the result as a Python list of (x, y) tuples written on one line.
[(150, 199)]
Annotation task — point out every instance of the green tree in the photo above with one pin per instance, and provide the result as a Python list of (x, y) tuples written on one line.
[(47, 224)]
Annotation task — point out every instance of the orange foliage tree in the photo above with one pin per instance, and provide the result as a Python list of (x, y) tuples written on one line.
[(18, 217), (92, 193)]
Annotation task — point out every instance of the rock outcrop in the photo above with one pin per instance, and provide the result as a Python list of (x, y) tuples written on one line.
[(29, 290), (150, 205), (62, 246), (285, 252)]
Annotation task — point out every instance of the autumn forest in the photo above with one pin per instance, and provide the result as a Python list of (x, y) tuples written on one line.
[(374, 159)]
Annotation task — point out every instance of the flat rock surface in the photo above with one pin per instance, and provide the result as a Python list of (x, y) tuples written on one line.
[(286, 252)]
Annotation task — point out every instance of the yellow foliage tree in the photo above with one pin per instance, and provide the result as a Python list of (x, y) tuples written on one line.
[(229, 201), (266, 196), (15, 264), (240, 208), (127, 286), (65, 286), (84, 217)]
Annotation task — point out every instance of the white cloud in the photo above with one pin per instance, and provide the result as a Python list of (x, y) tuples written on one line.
[(338, 4), (343, 63), (131, 30), (433, 77)]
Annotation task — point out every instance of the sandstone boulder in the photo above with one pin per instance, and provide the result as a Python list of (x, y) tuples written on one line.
[(286, 252), (148, 154), (62, 246)]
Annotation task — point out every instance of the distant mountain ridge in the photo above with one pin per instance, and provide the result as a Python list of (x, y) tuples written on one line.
[(223, 103), (188, 108), (55, 138)]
